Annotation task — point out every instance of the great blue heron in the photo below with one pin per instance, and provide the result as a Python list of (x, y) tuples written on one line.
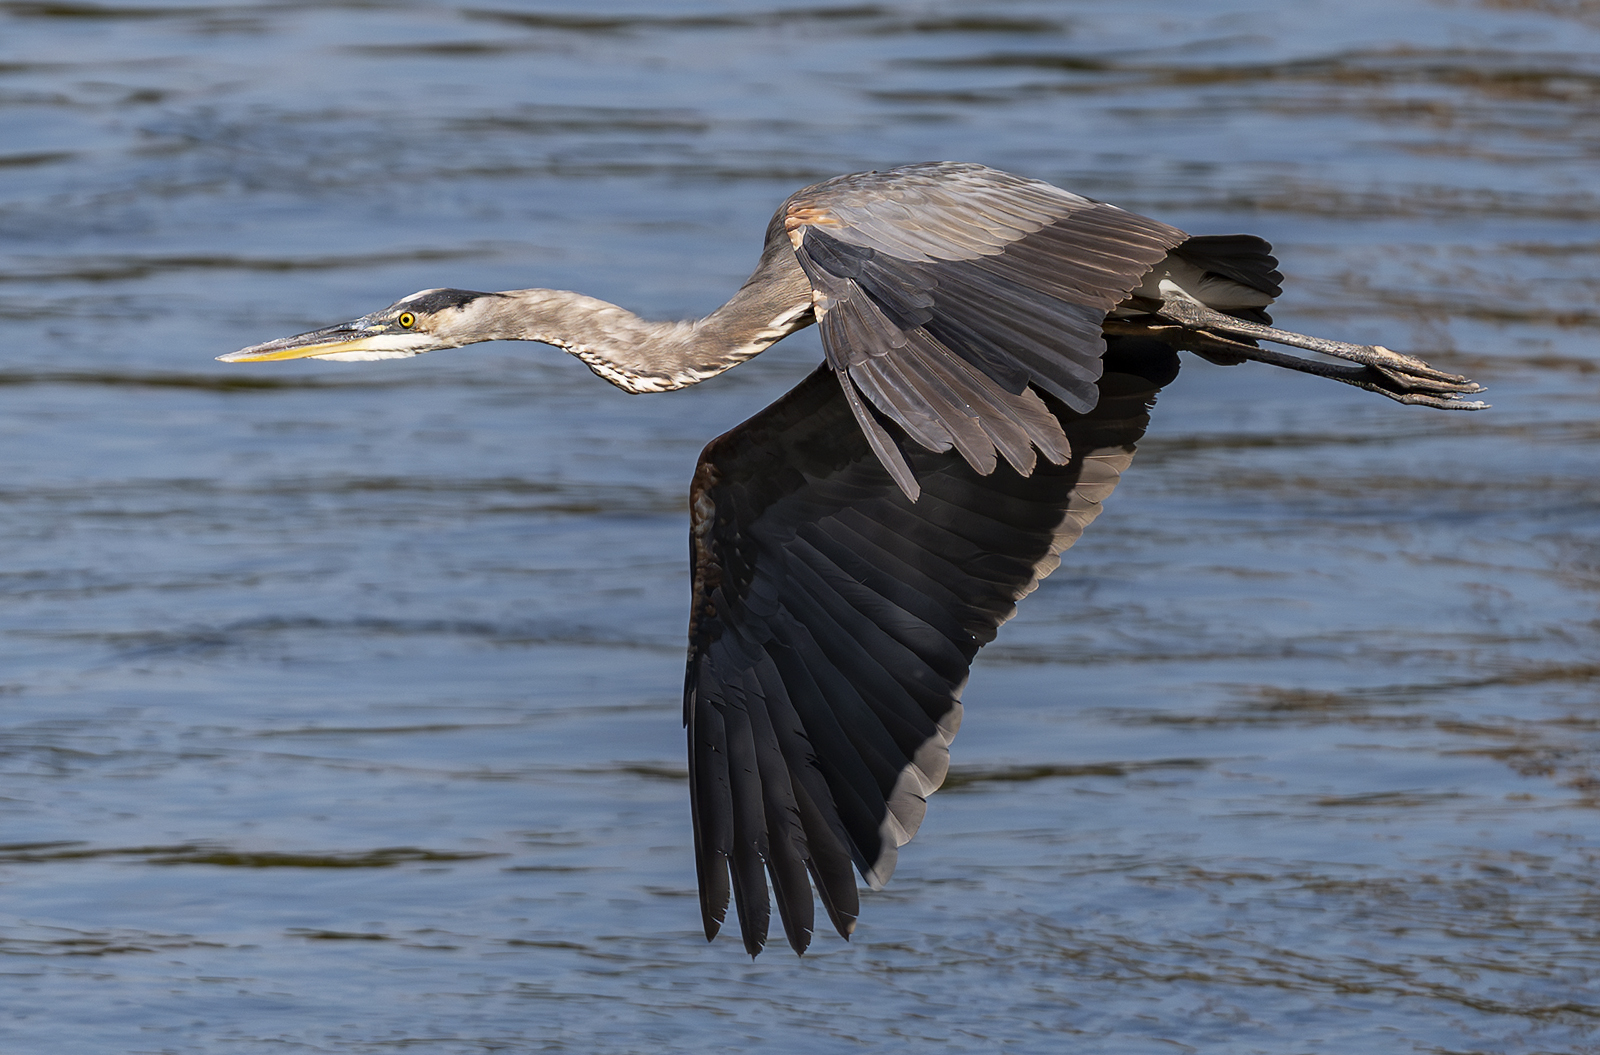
[(858, 541)]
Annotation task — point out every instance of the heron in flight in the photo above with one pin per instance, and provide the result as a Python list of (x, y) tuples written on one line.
[(993, 346)]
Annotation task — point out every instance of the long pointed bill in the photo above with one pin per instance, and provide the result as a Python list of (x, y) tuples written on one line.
[(343, 342)]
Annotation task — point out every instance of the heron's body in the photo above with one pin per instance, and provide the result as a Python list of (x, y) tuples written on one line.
[(858, 541)]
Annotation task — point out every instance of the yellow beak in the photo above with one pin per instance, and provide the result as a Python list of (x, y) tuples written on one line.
[(345, 341)]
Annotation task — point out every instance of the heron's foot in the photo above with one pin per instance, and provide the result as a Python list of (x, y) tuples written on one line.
[(1403, 378), (1408, 387), (1411, 386)]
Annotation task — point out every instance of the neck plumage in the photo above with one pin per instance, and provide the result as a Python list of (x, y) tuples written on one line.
[(643, 356)]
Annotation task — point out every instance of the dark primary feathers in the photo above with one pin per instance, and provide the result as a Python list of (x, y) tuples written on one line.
[(834, 621)]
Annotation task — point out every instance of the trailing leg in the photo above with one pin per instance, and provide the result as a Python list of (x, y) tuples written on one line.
[(1401, 378)]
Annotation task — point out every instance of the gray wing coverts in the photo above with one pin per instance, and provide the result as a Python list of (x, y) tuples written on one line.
[(944, 291), (833, 625)]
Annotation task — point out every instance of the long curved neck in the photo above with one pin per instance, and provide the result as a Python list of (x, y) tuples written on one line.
[(643, 356)]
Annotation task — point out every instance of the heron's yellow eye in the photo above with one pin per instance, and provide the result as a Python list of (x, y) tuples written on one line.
[(406, 320)]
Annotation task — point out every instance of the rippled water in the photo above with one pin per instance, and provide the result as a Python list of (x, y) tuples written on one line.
[(340, 701)]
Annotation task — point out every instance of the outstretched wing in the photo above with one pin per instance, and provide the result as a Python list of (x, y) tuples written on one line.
[(834, 620), (944, 290)]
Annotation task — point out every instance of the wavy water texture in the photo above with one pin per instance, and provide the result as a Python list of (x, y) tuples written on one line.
[(339, 703)]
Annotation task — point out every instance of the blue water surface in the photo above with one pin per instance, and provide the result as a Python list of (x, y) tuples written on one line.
[(339, 702)]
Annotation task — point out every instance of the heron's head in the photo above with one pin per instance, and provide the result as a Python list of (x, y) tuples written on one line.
[(422, 322)]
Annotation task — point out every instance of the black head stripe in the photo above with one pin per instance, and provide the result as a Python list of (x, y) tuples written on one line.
[(436, 300)]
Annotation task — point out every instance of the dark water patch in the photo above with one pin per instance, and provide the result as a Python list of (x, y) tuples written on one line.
[(985, 24), (1531, 745), (231, 381), (346, 165), (77, 585), (255, 634), (1300, 704), (1565, 765), (21, 99), (1268, 700), (1574, 673), (866, 19), (444, 48), (346, 148), (387, 857), (555, 870), (1579, 10), (1400, 496), (669, 774), (41, 853), (972, 776), (781, 18), (64, 942), (554, 120), (862, 19), (23, 753), (585, 710), (47, 157), (92, 12), (1393, 432), (1421, 200), (1220, 961), (1553, 249), (460, 485), (1507, 729), (158, 643), (1269, 706), (1561, 77), (100, 12), (1538, 362), (1387, 800), (121, 269), (88, 98), (1142, 654), (1410, 304), (1013, 60), (560, 498), (8, 69), (335, 935), (953, 98), (384, 730), (709, 168)]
